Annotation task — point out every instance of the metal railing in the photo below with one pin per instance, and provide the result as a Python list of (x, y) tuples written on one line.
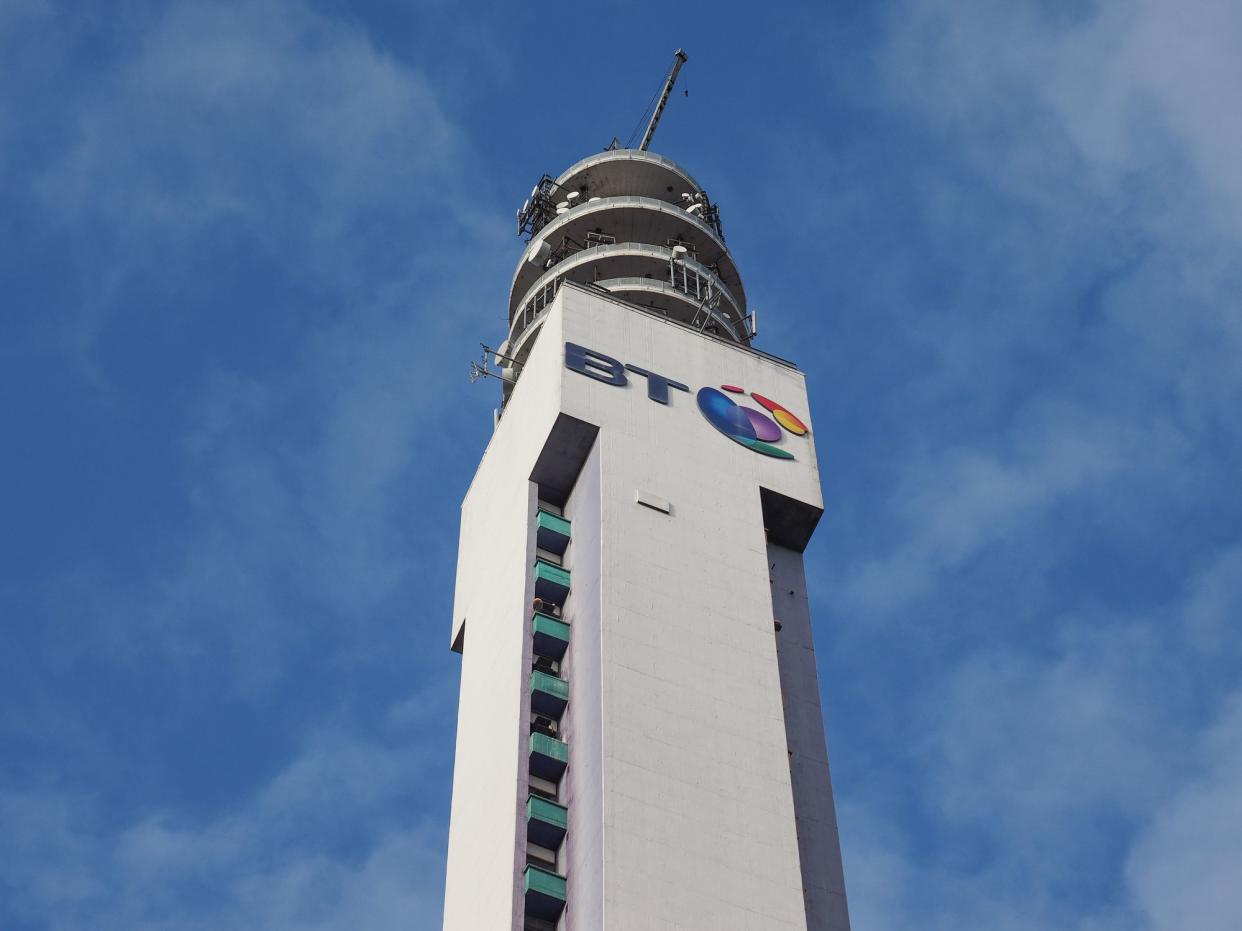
[(534, 307), (689, 281), (698, 282)]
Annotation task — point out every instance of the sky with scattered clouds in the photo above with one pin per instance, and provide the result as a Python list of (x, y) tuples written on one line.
[(249, 248)]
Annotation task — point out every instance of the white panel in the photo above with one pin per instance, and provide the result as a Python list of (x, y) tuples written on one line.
[(692, 820), (698, 813), (495, 552), (655, 502)]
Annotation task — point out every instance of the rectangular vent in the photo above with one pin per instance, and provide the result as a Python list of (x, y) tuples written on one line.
[(655, 502)]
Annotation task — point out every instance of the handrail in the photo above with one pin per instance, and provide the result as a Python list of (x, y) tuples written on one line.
[(623, 155), (557, 273), (620, 202)]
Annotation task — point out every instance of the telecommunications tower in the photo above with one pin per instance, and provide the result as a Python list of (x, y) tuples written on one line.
[(639, 739)]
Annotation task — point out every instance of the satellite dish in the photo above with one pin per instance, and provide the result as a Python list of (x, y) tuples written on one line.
[(680, 252), (593, 200), (572, 198), (696, 209), (540, 253)]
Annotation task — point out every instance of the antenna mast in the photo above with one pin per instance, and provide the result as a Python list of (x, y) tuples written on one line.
[(679, 59)]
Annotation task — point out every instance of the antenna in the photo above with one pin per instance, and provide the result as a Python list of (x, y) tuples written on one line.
[(679, 59), (482, 369)]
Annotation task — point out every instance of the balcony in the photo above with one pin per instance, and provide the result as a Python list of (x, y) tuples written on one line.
[(551, 582), (675, 289), (548, 757), (628, 219), (546, 822), (551, 636), (545, 893), (546, 664), (551, 532), (548, 694)]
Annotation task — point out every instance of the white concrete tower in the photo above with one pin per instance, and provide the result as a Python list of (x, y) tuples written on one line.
[(639, 741)]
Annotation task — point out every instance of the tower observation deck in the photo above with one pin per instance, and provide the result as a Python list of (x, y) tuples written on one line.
[(637, 226)]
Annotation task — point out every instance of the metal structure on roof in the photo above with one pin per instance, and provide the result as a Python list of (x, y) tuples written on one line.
[(679, 59), (632, 223)]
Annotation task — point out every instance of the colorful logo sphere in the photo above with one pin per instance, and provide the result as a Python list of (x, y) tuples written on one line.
[(747, 426)]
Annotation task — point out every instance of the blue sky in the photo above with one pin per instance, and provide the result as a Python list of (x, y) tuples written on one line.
[(248, 250)]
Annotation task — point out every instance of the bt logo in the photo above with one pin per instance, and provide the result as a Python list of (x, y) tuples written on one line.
[(744, 425)]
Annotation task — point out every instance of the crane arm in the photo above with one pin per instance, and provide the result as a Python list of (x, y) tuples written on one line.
[(679, 59)]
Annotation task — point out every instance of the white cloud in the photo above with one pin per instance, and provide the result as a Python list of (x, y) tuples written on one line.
[(1016, 742), (1113, 120), (261, 116), (264, 129), (954, 504), (260, 130), (319, 846), (1215, 608), (1176, 60), (1080, 331), (1183, 873), (1120, 81), (236, 135), (1051, 463), (1099, 754)]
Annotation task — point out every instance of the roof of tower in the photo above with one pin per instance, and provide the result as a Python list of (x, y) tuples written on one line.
[(628, 171), (637, 225)]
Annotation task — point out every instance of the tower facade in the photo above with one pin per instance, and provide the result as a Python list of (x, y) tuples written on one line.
[(640, 743)]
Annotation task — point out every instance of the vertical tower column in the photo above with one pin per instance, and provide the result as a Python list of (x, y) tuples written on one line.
[(640, 743)]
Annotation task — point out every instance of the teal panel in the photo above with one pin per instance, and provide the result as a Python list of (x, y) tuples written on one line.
[(550, 626), (550, 522), (545, 571), (551, 636), (549, 812), (549, 747), (551, 533), (551, 685), (544, 882)]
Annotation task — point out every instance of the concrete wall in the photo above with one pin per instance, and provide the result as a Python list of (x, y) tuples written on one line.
[(584, 780), (492, 600), (698, 805), (686, 790), (819, 844)]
